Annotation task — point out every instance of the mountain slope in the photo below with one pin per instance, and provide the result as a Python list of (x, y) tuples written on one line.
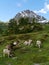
[(29, 14)]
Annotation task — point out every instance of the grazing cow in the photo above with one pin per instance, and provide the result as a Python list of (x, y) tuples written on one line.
[(15, 43), (9, 47), (28, 42), (38, 43), (6, 51)]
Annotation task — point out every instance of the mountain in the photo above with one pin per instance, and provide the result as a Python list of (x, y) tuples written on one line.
[(29, 14)]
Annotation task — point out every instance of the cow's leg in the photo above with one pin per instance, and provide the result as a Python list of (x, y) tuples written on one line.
[(39, 46), (8, 54)]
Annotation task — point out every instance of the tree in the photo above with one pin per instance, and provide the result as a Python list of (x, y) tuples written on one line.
[(1, 31), (34, 21), (23, 21), (12, 26)]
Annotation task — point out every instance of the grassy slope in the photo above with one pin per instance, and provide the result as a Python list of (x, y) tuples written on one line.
[(30, 54)]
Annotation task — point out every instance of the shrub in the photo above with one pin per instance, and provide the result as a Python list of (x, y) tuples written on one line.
[(24, 37), (11, 37), (46, 35)]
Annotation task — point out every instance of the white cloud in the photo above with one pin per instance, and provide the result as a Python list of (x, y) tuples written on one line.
[(45, 9), (41, 11), (19, 4)]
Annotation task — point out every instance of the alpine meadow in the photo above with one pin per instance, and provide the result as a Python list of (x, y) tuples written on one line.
[(24, 38)]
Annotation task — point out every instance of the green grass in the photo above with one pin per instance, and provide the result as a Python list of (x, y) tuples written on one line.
[(27, 55)]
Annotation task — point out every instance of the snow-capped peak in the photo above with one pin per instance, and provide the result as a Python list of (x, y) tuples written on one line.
[(30, 14)]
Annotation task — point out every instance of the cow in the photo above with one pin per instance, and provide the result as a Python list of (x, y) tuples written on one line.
[(38, 43), (28, 42), (6, 51)]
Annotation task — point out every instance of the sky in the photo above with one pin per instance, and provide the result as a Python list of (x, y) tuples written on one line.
[(9, 8)]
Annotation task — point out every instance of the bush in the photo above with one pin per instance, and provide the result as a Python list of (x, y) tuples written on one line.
[(38, 27), (11, 37), (44, 38), (24, 37), (46, 35)]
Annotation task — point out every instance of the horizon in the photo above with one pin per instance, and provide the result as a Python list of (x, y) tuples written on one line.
[(9, 8)]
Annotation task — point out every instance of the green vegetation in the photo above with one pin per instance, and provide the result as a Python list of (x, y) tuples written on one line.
[(3, 28), (23, 25), (25, 55)]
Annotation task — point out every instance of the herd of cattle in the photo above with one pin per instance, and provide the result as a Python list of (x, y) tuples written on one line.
[(8, 49)]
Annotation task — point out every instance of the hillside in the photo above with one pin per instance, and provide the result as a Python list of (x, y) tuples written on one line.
[(21, 29), (25, 22), (27, 55), (3, 27)]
